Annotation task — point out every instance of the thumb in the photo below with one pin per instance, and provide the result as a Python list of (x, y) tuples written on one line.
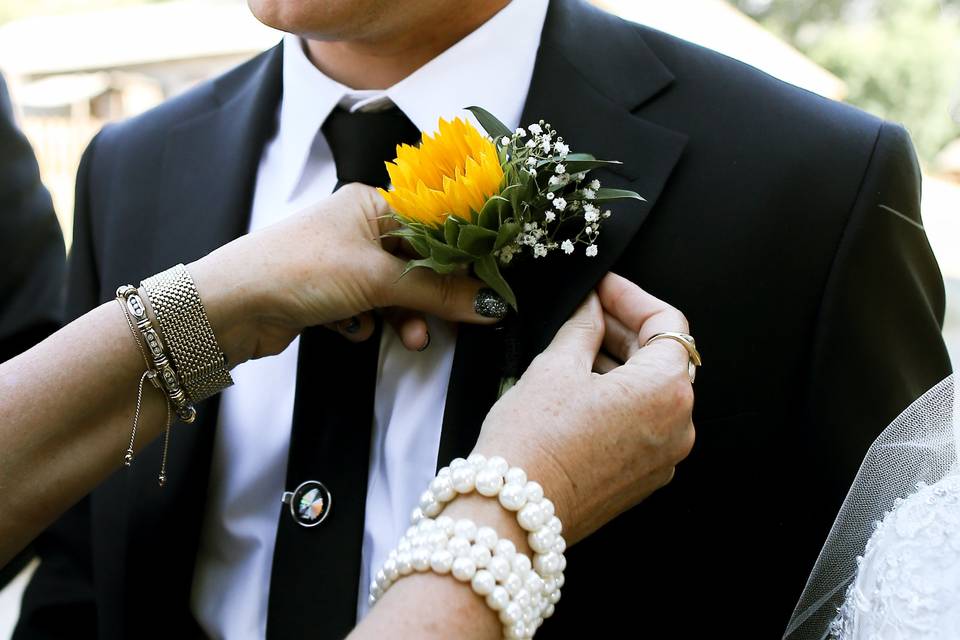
[(454, 297), (582, 334)]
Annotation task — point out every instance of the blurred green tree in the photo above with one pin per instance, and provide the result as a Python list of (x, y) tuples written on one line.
[(899, 58)]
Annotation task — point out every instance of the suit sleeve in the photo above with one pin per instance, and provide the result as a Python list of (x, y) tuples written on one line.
[(59, 601), (31, 281), (878, 342)]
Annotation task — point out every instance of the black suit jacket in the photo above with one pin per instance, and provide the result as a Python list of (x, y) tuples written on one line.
[(786, 227)]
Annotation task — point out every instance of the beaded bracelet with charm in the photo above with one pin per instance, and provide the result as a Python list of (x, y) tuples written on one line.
[(495, 570)]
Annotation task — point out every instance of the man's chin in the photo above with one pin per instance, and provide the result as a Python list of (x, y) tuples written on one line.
[(319, 19)]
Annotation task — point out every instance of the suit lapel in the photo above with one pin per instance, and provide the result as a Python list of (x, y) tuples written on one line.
[(208, 177), (590, 95)]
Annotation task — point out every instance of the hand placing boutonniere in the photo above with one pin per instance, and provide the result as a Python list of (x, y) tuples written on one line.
[(468, 200)]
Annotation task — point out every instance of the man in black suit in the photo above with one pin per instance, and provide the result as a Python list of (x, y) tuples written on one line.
[(785, 226)]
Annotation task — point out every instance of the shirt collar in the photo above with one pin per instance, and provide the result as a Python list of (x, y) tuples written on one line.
[(491, 67)]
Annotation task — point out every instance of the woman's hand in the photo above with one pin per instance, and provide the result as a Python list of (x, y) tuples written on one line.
[(323, 265), (600, 436)]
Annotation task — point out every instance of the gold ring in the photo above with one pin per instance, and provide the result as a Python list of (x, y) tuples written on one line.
[(688, 343)]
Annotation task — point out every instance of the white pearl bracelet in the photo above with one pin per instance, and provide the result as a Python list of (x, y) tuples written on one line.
[(495, 478), (492, 566)]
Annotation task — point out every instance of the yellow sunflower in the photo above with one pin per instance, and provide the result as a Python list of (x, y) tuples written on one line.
[(454, 172)]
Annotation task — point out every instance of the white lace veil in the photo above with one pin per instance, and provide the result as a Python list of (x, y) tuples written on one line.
[(919, 446)]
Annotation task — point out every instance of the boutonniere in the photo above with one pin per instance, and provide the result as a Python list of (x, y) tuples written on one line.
[(469, 200)]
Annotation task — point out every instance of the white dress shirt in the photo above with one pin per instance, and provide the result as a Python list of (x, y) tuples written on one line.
[(491, 67)]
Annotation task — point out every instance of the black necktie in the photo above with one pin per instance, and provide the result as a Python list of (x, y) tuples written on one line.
[(316, 568)]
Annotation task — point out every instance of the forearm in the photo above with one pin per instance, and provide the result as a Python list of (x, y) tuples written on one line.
[(430, 606), (68, 406)]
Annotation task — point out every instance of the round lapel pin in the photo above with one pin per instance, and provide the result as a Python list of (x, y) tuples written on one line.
[(309, 503)]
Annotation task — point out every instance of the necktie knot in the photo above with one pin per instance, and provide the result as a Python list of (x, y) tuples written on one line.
[(362, 142)]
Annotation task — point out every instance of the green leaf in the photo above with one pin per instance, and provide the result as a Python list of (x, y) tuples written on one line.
[(507, 232), (576, 166), (475, 240), (487, 270), (445, 254), (419, 244), (494, 128), (451, 231), (429, 263), (605, 195), (491, 214)]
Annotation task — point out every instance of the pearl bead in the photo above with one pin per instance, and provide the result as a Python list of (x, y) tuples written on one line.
[(561, 579), (563, 562), (426, 498), (466, 528), (390, 570), (463, 569), (463, 479), (416, 516), (548, 611), (498, 598), (516, 475), (426, 525), (420, 559), (433, 509), (477, 459), (559, 545), (498, 465), (458, 546), (548, 508), (486, 537), (511, 614), (457, 463), (547, 564), (500, 568), (549, 584), (533, 583), (554, 597), (505, 549), (442, 487), (534, 491), (516, 631), (542, 540), (381, 579), (404, 544), (444, 471), (488, 482), (483, 582), (531, 517), (521, 564), (555, 525), (513, 584), (445, 524), (436, 539), (404, 566), (513, 497), (481, 555), (441, 561)]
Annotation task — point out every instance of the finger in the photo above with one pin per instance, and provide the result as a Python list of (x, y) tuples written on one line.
[(357, 328), (582, 334), (604, 363), (618, 340), (638, 310), (410, 327), (455, 297)]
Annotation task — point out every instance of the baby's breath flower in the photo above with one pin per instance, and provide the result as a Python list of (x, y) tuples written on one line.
[(539, 251), (560, 168), (594, 184), (590, 208), (550, 194), (521, 132), (554, 180), (591, 251), (580, 176), (560, 204), (532, 172), (535, 129), (590, 216), (549, 216), (589, 194), (606, 214), (531, 161), (531, 143), (567, 247), (561, 148), (504, 141), (545, 145)]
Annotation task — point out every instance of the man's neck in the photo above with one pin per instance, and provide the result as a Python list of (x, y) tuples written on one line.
[(382, 60)]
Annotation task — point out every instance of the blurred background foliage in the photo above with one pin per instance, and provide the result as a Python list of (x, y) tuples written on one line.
[(899, 58)]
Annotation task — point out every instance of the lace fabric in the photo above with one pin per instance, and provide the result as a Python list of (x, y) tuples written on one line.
[(890, 568)]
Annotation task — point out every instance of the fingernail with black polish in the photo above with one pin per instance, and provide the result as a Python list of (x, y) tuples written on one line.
[(490, 305), (426, 343), (352, 325)]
